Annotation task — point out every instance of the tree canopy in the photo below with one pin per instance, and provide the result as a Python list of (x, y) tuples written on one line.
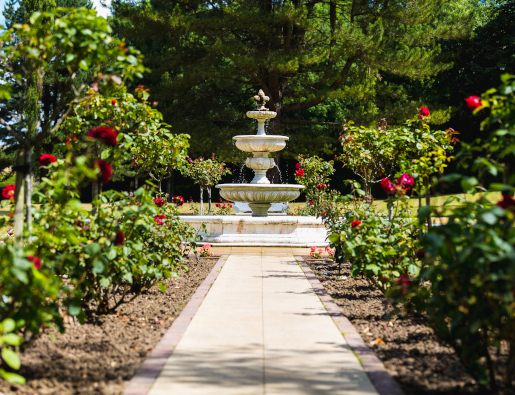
[(209, 57)]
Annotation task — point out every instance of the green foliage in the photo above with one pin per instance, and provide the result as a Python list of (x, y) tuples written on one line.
[(205, 172), (467, 287), (21, 282), (9, 338), (496, 153), (379, 249), (377, 152), (154, 149), (302, 54)]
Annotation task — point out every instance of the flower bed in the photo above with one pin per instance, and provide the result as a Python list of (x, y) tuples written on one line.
[(418, 360), (101, 355)]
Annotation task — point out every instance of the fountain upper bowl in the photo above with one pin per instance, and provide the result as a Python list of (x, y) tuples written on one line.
[(260, 193), (260, 143)]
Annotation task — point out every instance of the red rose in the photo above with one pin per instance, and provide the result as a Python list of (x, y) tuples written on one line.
[(158, 218), (46, 159), (230, 205), (507, 202), (355, 224), (159, 202), (323, 213), (421, 254), (178, 200), (424, 111), (36, 260), (473, 102), (297, 166), (191, 200), (104, 133), (404, 281), (217, 205), (387, 185), (321, 186), (113, 102), (8, 191), (106, 171), (405, 181), (299, 173), (310, 202), (224, 206), (119, 238)]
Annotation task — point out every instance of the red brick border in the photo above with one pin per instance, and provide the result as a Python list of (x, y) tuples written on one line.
[(384, 383), (147, 374)]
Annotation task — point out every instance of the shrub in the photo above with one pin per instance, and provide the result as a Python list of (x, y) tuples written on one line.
[(467, 285)]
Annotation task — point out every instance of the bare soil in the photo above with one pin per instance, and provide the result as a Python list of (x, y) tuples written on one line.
[(411, 352), (100, 356)]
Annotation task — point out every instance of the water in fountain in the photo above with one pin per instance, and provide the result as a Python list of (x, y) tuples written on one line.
[(279, 172)]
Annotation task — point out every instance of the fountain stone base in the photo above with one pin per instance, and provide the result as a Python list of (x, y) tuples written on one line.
[(273, 231)]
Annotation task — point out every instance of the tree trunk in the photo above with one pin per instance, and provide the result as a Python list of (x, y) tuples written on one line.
[(28, 188), (172, 183), (169, 188), (94, 194), (390, 206), (428, 203), (19, 195), (201, 201), (209, 211), (136, 178)]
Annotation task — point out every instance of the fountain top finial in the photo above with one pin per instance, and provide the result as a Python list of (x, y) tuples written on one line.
[(261, 100)]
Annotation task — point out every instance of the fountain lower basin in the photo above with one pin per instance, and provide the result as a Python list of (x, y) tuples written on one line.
[(247, 231), (260, 196)]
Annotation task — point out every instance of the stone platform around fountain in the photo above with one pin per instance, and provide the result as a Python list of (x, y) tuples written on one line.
[(275, 231)]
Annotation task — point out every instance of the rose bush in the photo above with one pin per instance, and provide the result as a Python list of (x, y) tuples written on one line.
[(466, 287)]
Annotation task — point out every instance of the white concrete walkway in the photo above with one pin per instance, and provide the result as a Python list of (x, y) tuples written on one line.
[(262, 330)]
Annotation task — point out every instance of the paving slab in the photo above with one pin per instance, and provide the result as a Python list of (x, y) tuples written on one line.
[(262, 330)]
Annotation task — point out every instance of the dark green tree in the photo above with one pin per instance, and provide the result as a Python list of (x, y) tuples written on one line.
[(42, 93), (209, 57)]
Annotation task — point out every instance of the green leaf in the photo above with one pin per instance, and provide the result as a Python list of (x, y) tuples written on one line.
[(468, 183), (20, 275), (92, 249), (333, 238), (12, 378), (112, 254), (104, 282), (12, 339), (489, 218), (11, 358), (74, 308), (105, 154), (162, 287), (8, 325)]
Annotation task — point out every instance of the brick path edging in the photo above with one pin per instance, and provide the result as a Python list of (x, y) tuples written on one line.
[(147, 374), (382, 380)]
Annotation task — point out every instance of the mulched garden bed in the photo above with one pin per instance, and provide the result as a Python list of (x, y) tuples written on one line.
[(418, 360), (100, 356)]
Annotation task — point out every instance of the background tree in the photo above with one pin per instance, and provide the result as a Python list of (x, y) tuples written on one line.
[(44, 93), (209, 57), (206, 173), (76, 38)]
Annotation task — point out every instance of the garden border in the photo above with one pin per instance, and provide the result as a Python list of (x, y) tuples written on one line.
[(381, 379), (147, 374)]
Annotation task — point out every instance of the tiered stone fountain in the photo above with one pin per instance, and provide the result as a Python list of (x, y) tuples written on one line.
[(259, 229), (260, 194)]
